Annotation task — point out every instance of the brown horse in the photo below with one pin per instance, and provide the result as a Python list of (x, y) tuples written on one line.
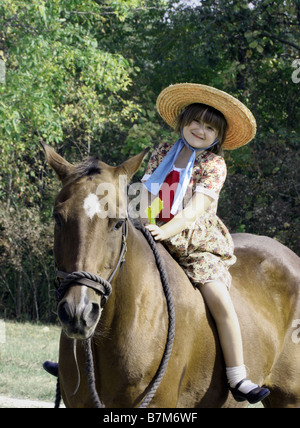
[(129, 332)]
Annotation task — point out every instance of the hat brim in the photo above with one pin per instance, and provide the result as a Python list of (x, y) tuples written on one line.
[(241, 122)]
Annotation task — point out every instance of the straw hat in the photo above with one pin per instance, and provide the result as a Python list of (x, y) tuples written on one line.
[(241, 122)]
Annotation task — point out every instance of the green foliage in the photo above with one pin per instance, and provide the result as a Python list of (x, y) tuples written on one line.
[(61, 87), (25, 257), (83, 76)]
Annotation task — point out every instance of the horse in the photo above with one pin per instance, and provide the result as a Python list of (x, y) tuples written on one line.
[(128, 330)]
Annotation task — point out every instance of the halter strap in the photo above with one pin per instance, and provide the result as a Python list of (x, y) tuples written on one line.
[(66, 280)]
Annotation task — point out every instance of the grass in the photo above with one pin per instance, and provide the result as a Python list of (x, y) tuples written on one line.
[(25, 349)]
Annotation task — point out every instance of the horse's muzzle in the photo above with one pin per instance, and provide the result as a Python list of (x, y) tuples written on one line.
[(79, 321)]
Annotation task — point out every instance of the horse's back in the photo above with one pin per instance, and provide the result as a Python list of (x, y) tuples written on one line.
[(263, 248), (266, 294), (265, 291), (267, 273), (265, 268)]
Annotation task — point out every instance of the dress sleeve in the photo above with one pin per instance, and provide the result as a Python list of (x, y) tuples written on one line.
[(156, 157), (212, 177)]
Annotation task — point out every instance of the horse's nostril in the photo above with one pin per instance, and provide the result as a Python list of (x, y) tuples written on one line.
[(63, 313), (94, 311)]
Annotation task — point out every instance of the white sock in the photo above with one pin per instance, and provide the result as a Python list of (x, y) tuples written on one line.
[(235, 375)]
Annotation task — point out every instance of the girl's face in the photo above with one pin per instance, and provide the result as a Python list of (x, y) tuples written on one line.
[(199, 134)]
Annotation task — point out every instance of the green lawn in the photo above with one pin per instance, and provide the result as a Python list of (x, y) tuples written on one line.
[(25, 349)]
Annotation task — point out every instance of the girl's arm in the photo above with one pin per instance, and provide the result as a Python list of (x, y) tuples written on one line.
[(185, 218)]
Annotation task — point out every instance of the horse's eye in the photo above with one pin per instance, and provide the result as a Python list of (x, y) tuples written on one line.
[(119, 224)]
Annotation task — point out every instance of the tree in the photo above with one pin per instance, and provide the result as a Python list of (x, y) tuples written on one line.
[(62, 87), (83, 76)]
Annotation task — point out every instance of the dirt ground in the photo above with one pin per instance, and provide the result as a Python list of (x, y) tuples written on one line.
[(16, 403)]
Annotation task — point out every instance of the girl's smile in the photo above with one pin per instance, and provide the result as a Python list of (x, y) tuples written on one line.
[(199, 134)]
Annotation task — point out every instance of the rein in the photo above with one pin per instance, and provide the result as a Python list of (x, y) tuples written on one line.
[(104, 288)]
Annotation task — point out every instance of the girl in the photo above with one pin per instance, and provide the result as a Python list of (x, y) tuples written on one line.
[(185, 179)]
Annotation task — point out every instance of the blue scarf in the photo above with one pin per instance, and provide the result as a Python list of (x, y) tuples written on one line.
[(155, 181)]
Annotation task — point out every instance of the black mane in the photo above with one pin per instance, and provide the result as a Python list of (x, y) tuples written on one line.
[(88, 168)]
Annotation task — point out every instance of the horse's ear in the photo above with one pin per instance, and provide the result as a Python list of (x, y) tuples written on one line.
[(132, 165), (58, 163)]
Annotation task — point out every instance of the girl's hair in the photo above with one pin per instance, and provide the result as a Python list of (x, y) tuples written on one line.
[(207, 114)]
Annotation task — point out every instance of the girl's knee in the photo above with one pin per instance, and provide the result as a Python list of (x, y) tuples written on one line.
[(217, 298)]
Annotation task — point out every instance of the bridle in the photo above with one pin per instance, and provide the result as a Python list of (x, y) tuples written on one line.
[(102, 286)]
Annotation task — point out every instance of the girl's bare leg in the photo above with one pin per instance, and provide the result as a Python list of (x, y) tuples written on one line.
[(218, 300)]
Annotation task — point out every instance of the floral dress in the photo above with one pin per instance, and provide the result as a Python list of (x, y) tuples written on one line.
[(204, 249)]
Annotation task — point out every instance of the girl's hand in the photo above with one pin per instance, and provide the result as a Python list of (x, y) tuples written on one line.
[(157, 233)]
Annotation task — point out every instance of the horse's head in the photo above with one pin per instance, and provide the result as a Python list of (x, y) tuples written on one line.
[(89, 213)]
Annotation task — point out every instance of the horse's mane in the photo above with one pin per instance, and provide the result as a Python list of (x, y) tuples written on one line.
[(87, 168)]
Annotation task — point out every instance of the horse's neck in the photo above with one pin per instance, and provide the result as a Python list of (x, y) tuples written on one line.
[(133, 326), (140, 270), (137, 287)]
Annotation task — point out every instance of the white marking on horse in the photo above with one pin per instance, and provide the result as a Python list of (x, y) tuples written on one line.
[(91, 205), (82, 304)]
